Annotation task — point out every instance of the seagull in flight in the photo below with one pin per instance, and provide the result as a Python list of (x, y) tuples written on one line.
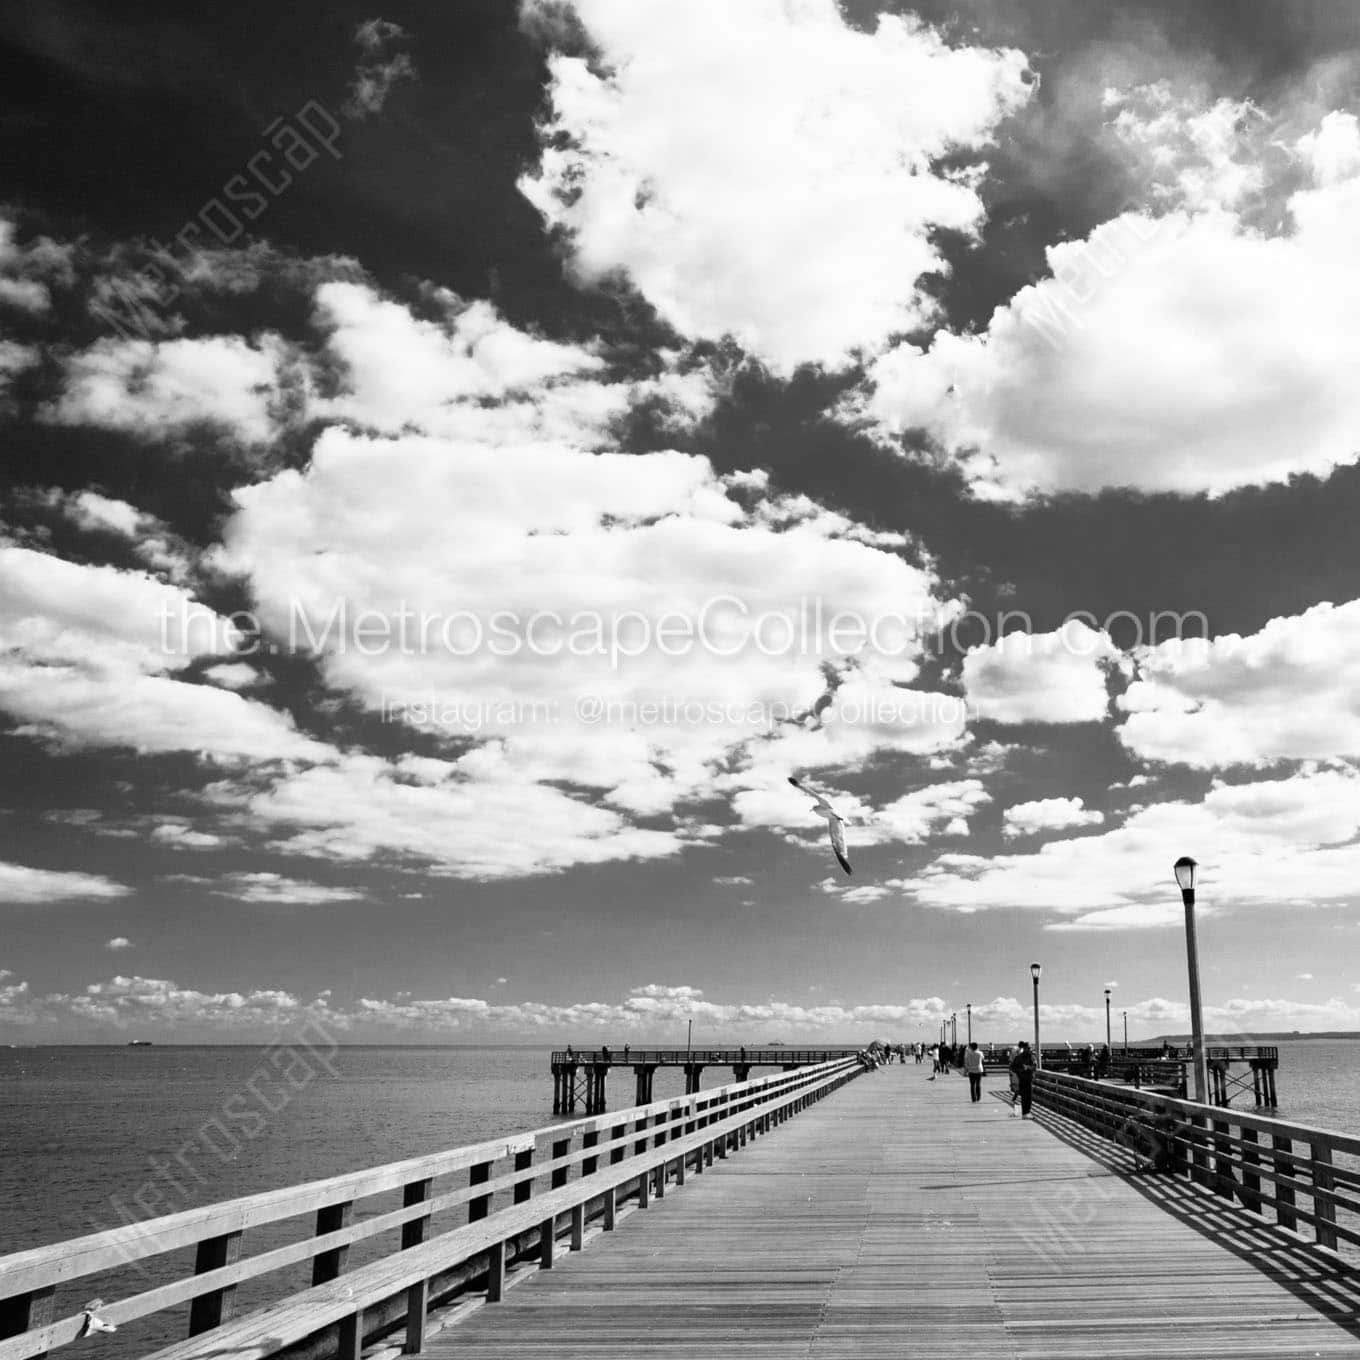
[(834, 821)]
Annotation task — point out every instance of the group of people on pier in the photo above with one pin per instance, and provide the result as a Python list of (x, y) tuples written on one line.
[(970, 1060)]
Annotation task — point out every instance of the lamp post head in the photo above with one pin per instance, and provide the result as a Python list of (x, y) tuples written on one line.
[(1107, 994), (1035, 969), (1185, 873)]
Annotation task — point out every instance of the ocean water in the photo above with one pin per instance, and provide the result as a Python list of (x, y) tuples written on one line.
[(84, 1130)]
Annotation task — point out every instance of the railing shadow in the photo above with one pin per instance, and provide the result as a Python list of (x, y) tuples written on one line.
[(1313, 1274)]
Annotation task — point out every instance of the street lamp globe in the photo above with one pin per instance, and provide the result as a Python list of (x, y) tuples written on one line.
[(1035, 969), (1185, 873)]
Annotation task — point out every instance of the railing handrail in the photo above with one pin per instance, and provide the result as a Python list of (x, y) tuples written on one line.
[(639, 1144), (1269, 1164), (1338, 1142), (40, 1266), (715, 1056)]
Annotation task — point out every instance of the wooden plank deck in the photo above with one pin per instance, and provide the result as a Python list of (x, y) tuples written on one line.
[(897, 1219)]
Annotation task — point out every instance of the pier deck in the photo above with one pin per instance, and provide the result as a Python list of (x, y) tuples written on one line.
[(899, 1219)]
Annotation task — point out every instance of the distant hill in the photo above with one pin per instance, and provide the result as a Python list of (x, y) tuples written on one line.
[(1256, 1037)]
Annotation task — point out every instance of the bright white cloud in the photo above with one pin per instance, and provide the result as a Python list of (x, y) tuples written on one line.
[(1048, 814), (1286, 692), (1056, 677), (28, 270), (159, 388), (160, 1007), (1275, 842), (763, 170), (276, 890), (472, 375), (22, 883), (119, 942), (459, 817), (1178, 348), (84, 652)]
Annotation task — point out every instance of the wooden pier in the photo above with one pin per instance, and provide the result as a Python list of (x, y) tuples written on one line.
[(579, 1076), (827, 1211)]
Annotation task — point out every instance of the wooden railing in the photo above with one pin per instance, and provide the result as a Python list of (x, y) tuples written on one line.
[(1288, 1173), (708, 1057), (552, 1182)]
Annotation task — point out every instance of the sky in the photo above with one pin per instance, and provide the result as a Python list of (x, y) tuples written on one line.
[(458, 462)]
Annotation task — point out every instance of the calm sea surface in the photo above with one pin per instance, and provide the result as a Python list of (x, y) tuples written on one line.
[(84, 1130)]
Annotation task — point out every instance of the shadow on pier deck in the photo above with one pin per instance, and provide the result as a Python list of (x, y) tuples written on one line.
[(899, 1219)]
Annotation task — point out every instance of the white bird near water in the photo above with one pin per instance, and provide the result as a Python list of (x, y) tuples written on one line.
[(834, 821)]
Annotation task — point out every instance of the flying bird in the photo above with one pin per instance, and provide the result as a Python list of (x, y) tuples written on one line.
[(834, 821)]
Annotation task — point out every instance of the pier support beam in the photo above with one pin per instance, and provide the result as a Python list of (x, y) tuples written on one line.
[(693, 1071), (741, 1071), (644, 1073)]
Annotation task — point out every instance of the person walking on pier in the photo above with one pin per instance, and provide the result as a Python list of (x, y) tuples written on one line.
[(1022, 1068), (974, 1067)]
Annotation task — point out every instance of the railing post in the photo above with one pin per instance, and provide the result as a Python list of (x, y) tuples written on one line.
[(524, 1188), (1225, 1183), (1199, 1153), (418, 1295), (350, 1344), (1284, 1194), (1251, 1182), (26, 1313), (214, 1308), (327, 1265), (479, 1205), (1324, 1206), (560, 1148), (495, 1272)]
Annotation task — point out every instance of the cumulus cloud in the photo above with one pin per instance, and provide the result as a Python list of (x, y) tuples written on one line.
[(1283, 693), (652, 1014), (1184, 345), (156, 389), (89, 655), (469, 374), (494, 451), (119, 942), (151, 541), (276, 890), (22, 883), (1048, 814), (450, 815), (1056, 677), (1275, 842), (764, 170), (28, 270)]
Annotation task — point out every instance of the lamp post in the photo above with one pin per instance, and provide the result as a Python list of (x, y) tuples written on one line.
[(1107, 1019), (1126, 1031), (969, 1009), (1034, 970), (1184, 869), (954, 1030)]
